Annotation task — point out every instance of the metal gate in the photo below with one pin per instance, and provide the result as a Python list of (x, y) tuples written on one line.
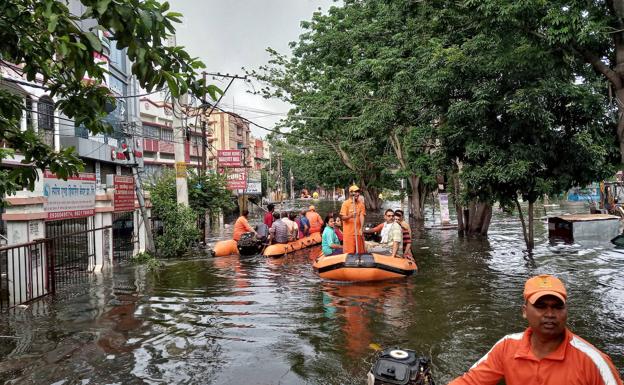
[(124, 238), (73, 247)]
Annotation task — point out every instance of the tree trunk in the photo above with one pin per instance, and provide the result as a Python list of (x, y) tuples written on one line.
[(528, 229), (416, 199), (479, 217), (459, 209), (531, 244), (525, 233), (371, 198)]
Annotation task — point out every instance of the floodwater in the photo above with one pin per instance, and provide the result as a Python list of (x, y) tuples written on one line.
[(234, 320)]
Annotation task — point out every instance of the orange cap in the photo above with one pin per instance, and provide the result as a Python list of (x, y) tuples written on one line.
[(311, 208), (542, 285)]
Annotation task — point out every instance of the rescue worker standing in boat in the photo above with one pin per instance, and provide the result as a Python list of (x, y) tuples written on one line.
[(352, 214), (546, 353)]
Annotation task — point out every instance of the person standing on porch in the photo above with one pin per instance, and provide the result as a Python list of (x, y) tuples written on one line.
[(352, 214)]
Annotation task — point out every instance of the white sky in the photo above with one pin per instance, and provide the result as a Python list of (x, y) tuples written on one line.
[(229, 34)]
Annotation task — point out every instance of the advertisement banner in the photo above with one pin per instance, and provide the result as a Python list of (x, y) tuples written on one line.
[(236, 178), (229, 158), (124, 193), (444, 210), (71, 198), (254, 183)]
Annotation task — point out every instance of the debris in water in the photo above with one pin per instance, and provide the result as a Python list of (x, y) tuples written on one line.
[(110, 357), (374, 346)]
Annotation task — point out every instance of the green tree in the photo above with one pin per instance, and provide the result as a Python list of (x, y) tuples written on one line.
[(520, 119), (589, 34), (43, 40)]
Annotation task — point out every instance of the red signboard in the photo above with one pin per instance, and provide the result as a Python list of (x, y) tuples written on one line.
[(236, 178), (124, 193), (230, 158)]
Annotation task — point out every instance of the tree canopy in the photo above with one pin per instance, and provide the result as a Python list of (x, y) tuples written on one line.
[(52, 47), (464, 88)]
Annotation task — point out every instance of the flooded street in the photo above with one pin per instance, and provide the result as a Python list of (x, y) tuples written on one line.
[(252, 320)]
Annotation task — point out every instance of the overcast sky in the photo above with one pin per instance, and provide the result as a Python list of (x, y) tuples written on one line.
[(229, 34)]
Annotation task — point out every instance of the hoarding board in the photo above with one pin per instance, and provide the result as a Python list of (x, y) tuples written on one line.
[(71, 198), (236, 178), (229, 158), (124, 192)]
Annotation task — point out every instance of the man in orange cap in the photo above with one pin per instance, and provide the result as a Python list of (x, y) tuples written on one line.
[(316, 222), (352, 213), (546, 353)]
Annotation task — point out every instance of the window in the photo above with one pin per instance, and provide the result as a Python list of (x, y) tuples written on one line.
[(29, 113), (166, 134), (117, 57), (46, 114), (150, 132), (45, 120)]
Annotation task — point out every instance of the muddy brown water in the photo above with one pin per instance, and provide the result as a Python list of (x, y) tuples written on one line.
[(252, 320)]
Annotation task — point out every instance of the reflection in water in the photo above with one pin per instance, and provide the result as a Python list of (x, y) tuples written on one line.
[(252, 320)]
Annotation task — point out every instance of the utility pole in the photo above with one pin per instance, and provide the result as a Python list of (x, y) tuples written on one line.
[(179, 137), (203, 168), (138, 187), (292, 178), (280, 185)]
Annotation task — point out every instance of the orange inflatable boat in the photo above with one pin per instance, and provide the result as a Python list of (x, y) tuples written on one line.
[(279, 249), (230, 246), (363, 267), (223, 248)]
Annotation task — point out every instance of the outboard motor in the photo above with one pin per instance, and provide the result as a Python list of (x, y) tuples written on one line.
[(248, 244), (396, 366)]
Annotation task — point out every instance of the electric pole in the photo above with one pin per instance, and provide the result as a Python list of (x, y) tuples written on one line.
[(179, 138), (292, 179)]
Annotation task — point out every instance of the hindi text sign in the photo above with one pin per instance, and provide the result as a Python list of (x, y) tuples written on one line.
[(71, 198), (230, 158)]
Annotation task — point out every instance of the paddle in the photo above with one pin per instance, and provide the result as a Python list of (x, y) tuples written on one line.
[(355, 225)]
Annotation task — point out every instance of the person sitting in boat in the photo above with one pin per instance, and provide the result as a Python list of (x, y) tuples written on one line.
[(304, 224), (407, 232), (330, 243), (294, 227), (268, 217), (242, 226), (338, 227), (316, 222), (391, 237), (278, 233)]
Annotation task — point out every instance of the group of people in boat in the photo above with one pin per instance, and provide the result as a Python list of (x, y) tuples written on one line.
[(342, 232), (395, 232)]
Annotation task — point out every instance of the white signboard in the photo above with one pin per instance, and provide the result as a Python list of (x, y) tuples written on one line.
[(71, 198), (444, 210), (254, 187)]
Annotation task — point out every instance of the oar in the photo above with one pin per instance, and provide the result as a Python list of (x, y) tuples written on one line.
[(263, 209), (355, 226)]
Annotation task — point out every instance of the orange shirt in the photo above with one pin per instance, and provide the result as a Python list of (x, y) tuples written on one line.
[(240, 227), (575, 362), (348, 225), (316, 222)]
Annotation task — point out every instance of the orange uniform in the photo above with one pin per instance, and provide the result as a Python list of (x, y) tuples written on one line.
[(575, 362), (316, 222), (349, 225), (240, 227)]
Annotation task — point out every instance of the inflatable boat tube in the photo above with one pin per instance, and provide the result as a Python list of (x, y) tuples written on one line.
[(279, 249), (363, 267), (223, 248)]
